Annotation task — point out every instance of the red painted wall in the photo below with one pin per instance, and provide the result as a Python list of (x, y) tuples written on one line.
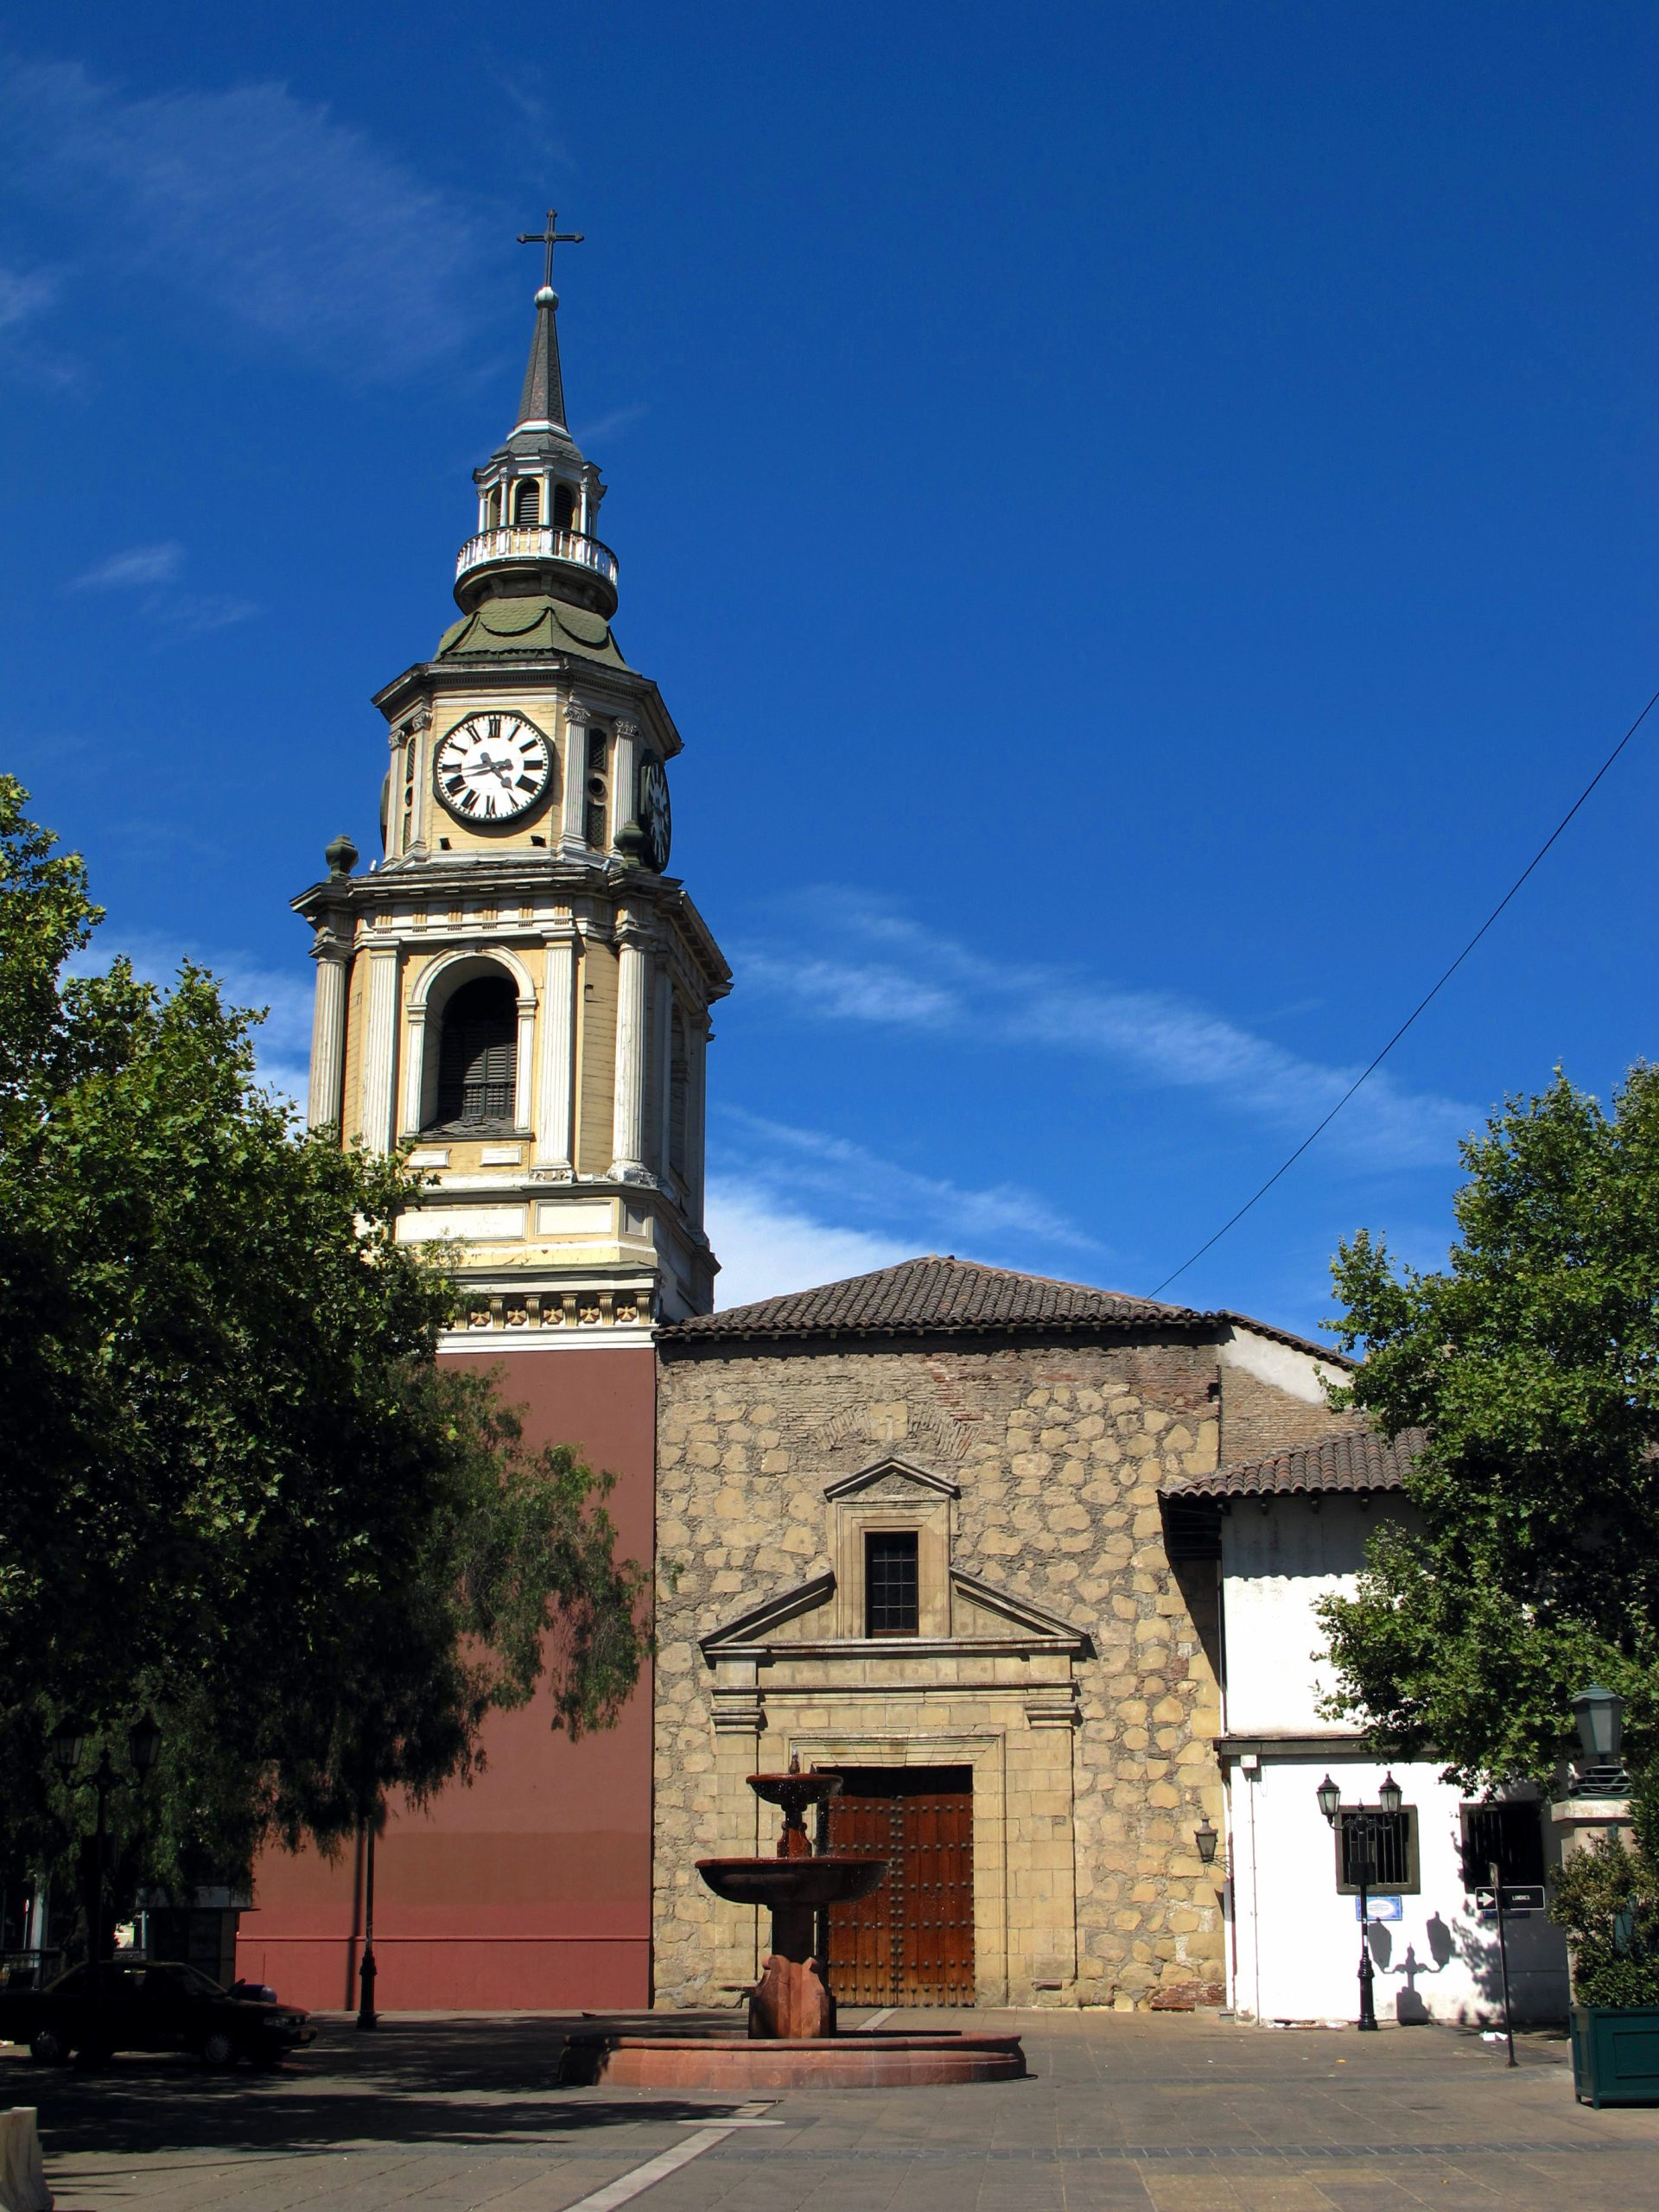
[(531, 1890)]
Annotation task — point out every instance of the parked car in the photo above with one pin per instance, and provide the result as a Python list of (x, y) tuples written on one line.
[(148, 2004)]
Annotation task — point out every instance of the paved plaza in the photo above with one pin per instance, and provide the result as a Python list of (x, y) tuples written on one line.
[(1179, 2113)]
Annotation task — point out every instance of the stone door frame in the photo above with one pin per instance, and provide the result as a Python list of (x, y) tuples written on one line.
[(983, 1750)]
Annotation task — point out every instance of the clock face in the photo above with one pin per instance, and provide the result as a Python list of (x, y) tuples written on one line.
[(654, 817), (492, 768)]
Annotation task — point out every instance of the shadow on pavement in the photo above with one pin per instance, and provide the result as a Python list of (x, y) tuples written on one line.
[(461, 2084)]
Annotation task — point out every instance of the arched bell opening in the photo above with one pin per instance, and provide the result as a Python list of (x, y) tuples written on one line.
[(564, 507), (526, 503), (472, 1028), (478, 1056)]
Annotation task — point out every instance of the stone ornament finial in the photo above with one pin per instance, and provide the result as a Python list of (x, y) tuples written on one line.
[(342, 857)]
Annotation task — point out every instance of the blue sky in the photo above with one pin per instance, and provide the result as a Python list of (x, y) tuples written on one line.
[(1143, 516)]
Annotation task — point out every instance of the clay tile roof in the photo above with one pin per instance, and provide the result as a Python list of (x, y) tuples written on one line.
[(936, 1296), (1355, 1459)]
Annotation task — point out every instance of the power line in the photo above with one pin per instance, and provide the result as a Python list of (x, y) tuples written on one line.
[(1426, 1000)]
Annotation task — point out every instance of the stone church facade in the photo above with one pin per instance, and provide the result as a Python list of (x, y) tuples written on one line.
[(1060, 1656), (908, 1526)]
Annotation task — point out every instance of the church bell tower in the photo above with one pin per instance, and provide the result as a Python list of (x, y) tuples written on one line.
[(519, 988)]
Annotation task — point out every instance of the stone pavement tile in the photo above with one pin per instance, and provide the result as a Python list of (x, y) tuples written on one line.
[(1285, 2192), (1178, 2193), (448, 2117)]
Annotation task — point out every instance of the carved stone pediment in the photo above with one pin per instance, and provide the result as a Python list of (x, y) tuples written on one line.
[(759, 1624), (891, 1478), (985, 1616)]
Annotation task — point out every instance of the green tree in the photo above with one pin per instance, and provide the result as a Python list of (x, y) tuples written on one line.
[(1530, 1565), (238, 1487), (1607, 1899)]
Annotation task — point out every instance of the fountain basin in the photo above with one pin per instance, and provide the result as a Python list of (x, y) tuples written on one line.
[(738, 2065), (786, 1884)]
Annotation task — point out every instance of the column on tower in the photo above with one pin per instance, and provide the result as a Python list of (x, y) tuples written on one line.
[(556, 1063), (627, 1138), (573, 825), (625, 782), (415, 1067), (524, 1061), (327, 1033), (662, 1062), (380, 1048), (697, 1035)]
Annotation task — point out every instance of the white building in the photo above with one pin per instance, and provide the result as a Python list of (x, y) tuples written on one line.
[(1290, 1531)]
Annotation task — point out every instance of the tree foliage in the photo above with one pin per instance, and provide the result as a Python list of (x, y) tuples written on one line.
[(1606, 1898), (1530, 1565), (238, 1485)]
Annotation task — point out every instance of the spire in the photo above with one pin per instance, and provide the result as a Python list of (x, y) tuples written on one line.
[(543, 398), (538, 499)]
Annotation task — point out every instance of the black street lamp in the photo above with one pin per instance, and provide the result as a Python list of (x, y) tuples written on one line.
[(68, 1740), (367, 2017), (1363, 1828), (1599, 1715)]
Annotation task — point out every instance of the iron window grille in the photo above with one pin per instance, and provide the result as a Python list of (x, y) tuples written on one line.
[(1378, 1849), (892, 1597), (1511, 1835)]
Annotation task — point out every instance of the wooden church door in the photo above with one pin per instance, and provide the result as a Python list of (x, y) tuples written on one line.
[(912, 1941)]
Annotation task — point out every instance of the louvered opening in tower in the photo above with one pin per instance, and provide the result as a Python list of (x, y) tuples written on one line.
[(478, 1056)]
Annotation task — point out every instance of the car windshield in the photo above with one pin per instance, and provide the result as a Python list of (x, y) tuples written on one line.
[(189, 1979)]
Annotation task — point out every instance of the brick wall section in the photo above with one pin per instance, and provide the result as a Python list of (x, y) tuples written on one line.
[(1257, 1419), (1058, 1449)]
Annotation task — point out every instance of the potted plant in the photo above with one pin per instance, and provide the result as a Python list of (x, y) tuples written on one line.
[(1606, 1896)]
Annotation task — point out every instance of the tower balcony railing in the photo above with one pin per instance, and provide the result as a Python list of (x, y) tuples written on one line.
[(522, 542)]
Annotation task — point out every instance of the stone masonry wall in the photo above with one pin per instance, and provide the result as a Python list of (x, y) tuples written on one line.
[(1058, 1450)]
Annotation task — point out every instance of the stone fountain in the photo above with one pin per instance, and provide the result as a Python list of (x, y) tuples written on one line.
[(792, 2041), (791, 1997)]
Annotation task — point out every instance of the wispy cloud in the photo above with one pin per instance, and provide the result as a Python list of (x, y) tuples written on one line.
[(881, 968), (607, 426), (796, 1165), (149, 571), (23, 294), (26, 297), (132, 571), (262, 206), (194, 613), (766, 1247)]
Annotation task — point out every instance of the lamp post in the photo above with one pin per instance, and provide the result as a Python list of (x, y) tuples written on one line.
[(367, 2017), (1599, 1715), (67, 1741), (1364, 1827)]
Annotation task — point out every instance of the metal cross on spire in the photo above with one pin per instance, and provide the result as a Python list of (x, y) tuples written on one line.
[(550, 238)]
